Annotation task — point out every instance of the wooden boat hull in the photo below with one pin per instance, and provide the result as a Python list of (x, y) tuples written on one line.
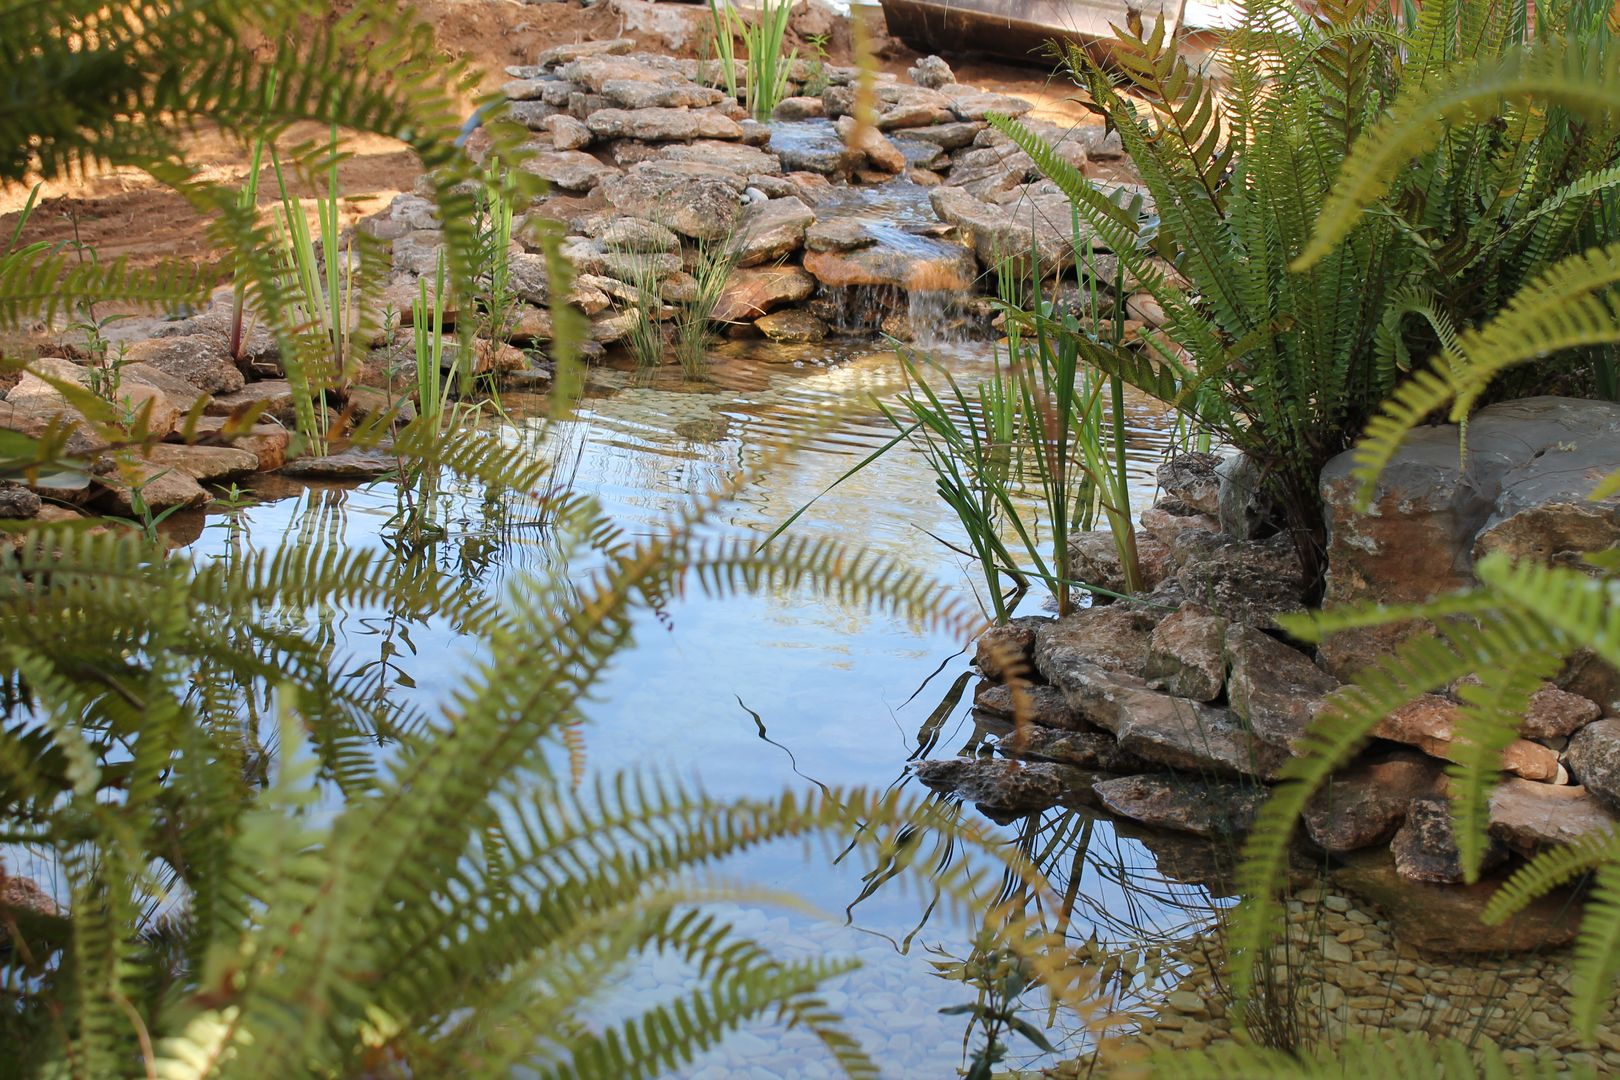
[(1018, 30)]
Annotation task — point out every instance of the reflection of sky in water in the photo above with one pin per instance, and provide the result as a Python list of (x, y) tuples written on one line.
[(839, 689)]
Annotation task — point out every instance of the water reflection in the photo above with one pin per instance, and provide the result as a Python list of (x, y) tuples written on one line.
[(754, 694)]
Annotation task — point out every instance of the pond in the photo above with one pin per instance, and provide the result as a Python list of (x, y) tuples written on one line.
[(759, 693)]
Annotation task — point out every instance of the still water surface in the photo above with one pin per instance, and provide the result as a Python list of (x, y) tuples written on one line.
[(750, 695)]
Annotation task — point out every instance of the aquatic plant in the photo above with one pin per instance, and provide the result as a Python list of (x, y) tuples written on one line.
[(692, 328), (1286, 358), (643, 305), (765, 69)]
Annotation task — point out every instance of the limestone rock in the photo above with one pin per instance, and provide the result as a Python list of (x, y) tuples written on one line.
[(1528, 816), (564, 54), (1044, 706), (1364, 804), (205, 463), (1012, 643), (1081, 749), (838, 234), (161, 487), (17, 503), (572, 170), (1115, 638), (752, 292), (1272, 687), (1094, 559), (932, 72), (1186, 654), (793, 326), (1429, 723), (997, 234), (662, 125), (1594, 759), (266, 442), (1557, 714), (1181, 734), (567, 133), (1247, 581), (1166, 520), (953, 136), (532, 114), (702, 207), (1201, 807), (181, 394), (634, 94), (1006, 790), (273, 397), (33, 406), (200, 359), (970, 104), (1425, 848), (799, 108), (351, 464), (635, 234), (929, 266), (1193, 481), (1245, 506), (882, 153), (771, 230), (813, 146)]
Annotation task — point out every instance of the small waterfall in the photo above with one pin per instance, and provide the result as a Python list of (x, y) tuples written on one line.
[(928, 318)]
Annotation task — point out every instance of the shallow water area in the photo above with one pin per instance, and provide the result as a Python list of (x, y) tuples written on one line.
[(750, 695)]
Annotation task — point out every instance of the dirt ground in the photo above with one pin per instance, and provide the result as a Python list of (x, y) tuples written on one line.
[(125, 214)]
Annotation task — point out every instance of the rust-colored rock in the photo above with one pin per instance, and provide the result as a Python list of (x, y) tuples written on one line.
[(1430, 724)]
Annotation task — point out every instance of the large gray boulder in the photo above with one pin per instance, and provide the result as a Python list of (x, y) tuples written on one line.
[(1593, 759)]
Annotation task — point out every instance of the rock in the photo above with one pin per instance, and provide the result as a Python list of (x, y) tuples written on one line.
[(813, 146), (752, 292), (1186, 654), (948, 136), (1557, 714), (201, 360), (1082, 749), (161, 487), (920, 266), (33, 406), (1247, 581), (1429, 723), (997, 235), (636, 94), (1425, 849), (1201, 807), (273, 397), (23, 896), (635, 235), (573, 170), (1446, 918), (1364, 804), (1272, 687), (793, 326), (1044, 706), (1115, 638), (1193, 481), (970, 104), (662, 125), (702, 207), (799, 108), (1589, 676), (351, 464), (266, 442), (1245, 505), (567, 133), (1529, 816), (1430, 511), (838, 234), (17, 503), (526, 89), (771, 230), (882, 153), (203, 463), (180, 393), (531, 114), (920, 154), (1006, 790), (1094, 559), (747, 162), (932, 72), (1164, 522), (406, 213), (1008, 647), (565, 54), (1593, 758), (1181, 734)]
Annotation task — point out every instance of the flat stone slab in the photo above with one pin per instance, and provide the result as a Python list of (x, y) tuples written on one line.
[(344, 465), (1200, 807), (1007, 790)]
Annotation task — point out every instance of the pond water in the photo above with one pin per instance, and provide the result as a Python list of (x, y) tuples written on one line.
[(759, 693)]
